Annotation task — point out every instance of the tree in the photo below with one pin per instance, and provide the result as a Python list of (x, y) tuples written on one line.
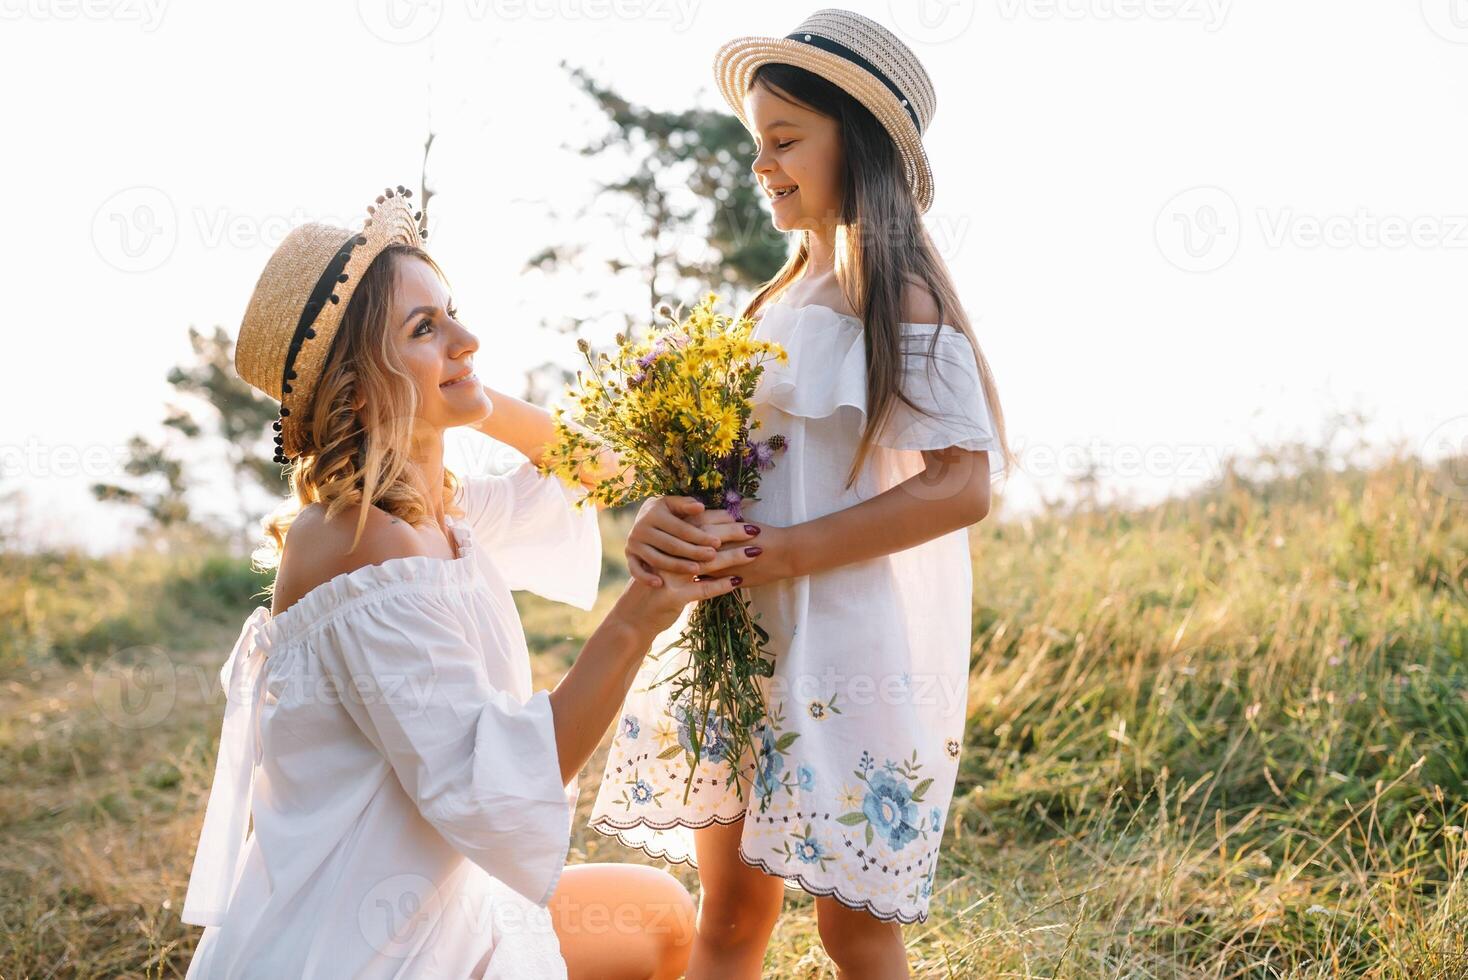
[(235, 418), (691, 202)]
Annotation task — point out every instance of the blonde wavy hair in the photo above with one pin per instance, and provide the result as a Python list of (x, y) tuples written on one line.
[(359, 421)]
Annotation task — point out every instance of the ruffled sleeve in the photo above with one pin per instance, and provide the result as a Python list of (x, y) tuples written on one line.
[(528, 527), (827, 370), (480, 766), (948, 391)]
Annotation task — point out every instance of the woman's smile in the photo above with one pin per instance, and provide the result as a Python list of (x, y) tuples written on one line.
[(469, 377)]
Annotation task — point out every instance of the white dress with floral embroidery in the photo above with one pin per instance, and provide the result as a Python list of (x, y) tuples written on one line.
[(859, 752), (402, 779)]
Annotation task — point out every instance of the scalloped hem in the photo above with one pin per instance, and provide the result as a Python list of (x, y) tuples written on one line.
[(799, 882), (608, 828)]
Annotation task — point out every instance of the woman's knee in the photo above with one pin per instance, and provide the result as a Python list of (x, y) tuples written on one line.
[(623, 921), (668, 922)]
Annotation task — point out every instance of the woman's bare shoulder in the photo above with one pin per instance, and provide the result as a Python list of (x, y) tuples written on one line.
[(318, 549)]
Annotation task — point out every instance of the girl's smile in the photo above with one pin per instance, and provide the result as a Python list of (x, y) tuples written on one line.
[(798, 160)]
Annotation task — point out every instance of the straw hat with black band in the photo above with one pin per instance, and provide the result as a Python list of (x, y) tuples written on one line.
[(299, 302), (860, 56)]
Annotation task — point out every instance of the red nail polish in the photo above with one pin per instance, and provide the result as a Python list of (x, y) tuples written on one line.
[(735, 580), (751, 530), (753, 552)]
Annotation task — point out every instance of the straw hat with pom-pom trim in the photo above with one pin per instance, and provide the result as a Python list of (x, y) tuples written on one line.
[(863, 58), (299, 302)]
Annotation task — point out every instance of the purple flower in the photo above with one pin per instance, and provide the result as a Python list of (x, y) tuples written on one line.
[(759, 454), (732, 500)]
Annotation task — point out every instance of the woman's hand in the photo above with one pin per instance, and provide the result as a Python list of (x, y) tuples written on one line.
[(649, 610), (679, 536)]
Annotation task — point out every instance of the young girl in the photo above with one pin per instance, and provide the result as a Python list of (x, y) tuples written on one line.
[(411, 798), (863, 575)]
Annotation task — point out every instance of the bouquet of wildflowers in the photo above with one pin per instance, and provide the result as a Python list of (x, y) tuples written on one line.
[(675, 408)]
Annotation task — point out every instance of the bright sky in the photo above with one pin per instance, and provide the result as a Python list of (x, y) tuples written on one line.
[(1180, 226)]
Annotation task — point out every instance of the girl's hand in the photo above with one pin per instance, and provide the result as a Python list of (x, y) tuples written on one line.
[(678, 535), (649, 610), (774, 558)]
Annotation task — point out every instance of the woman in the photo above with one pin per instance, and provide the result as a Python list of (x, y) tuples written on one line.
[(411, 798)]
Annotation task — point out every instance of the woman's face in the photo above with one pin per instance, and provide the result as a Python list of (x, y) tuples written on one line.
[(798, 162), (437, 350)]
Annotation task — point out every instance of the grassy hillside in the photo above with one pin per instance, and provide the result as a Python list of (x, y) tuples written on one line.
[(1226, 736)]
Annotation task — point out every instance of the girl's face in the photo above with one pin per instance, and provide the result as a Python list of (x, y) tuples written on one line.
[(798, 162), (436, 349)]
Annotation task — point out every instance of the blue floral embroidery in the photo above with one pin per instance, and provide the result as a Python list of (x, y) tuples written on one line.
[(767, 780), (889, 808), (714, 738), (807, 849), (936, 820), (806, 778), (638, 790), (630, 727)]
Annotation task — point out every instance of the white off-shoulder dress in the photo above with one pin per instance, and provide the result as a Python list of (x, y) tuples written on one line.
[(858, 755), (409, 818)]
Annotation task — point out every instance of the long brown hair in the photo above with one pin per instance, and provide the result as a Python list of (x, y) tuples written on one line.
[(882, 246), (360, 420)]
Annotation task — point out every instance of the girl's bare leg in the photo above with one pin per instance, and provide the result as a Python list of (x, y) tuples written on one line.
[(622, 922), (861, 945), (737, 909)]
